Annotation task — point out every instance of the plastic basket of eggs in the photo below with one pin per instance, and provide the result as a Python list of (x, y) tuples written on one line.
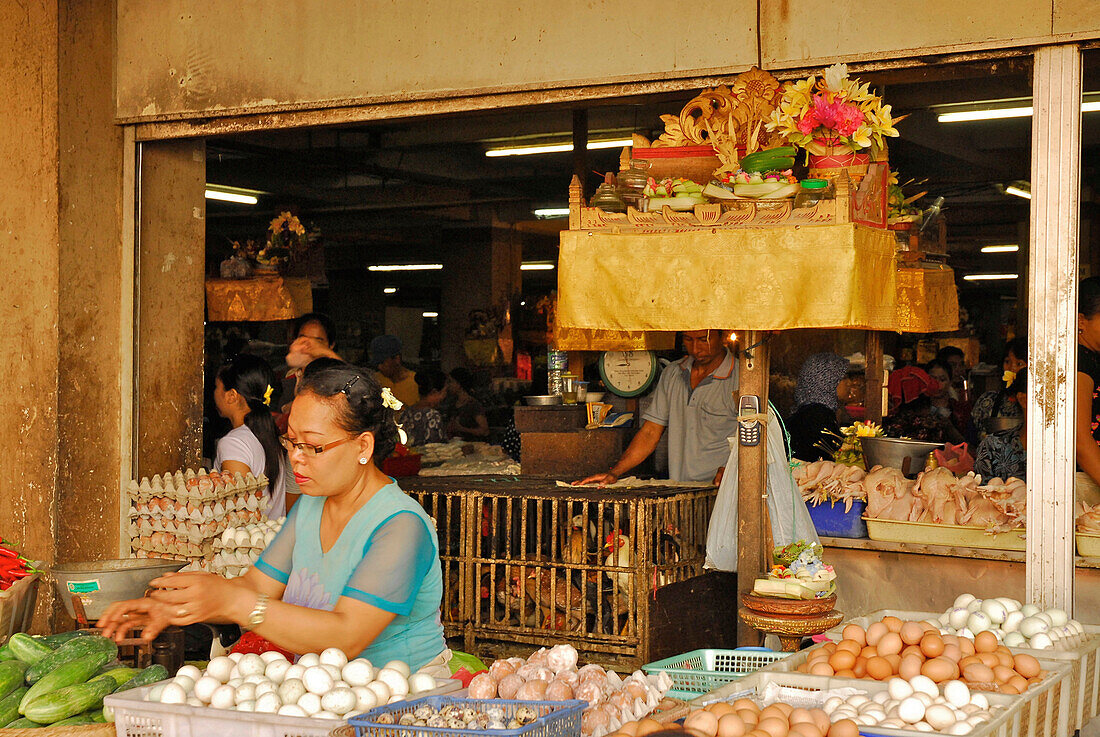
[(701, 671), (449, 716)]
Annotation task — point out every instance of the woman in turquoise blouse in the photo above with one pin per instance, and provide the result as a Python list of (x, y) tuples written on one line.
[(356, 566)]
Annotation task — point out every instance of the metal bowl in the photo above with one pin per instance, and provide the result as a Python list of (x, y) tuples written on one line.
[(542, 400), (910, 456), (100, 583), (594, 397)]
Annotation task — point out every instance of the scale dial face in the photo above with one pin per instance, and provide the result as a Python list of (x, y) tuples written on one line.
[(628, 373)]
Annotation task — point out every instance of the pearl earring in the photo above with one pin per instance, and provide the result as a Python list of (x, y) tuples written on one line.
[(362, 461)]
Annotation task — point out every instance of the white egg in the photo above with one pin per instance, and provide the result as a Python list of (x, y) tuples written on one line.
[(339, 701), (1030, 610), (295, 671), (939, 717), (925, 685), (876, 714), (291, 710), (245, 692), (326, 715), (185, 683), (396, 698), (957, 617), (894, 724), (1031, 626), (310, 703), (979, 700), (957, 693), (220, 668), (333, 656), (883, 698), (1045, 618), (1076, 626), (251, 665), (234, 682), (266, 687), (155, 692), (332, 670), (1015, 639), (224, 697), (974, 606), (1012, 621), (911, 710), (269, 703), (923, 727), (381, 691), (963, 600), (899, 688), (276, 671), (995, 610), (235, 657), (365, 700), (421, 682), (191, 672), (942, 620), (271, 656), (864, 721), (965, 632), (318, 680), (1058, 617), (1040, 641), (857, 700), (205, 688), (970, 709), (357, 672), (1011, 605), (960, 728), (923, 698), (173, 693), (192, 701), (1055, 636), (978, 622), (309, 660), (255, 679), (246, 706), (396, 681), (400, 666), (291, 690)]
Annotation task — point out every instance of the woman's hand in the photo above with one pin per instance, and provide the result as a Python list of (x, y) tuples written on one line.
[(123, 616), (199, 597)]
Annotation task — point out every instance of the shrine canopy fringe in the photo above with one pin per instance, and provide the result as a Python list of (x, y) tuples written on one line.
[(615, 289)]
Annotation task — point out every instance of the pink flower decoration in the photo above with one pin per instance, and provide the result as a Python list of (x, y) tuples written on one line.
[(831, 114)]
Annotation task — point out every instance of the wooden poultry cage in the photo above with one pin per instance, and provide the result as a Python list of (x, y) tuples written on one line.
[(604, 570)]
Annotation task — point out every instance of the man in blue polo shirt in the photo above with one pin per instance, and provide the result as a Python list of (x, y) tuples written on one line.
[(696, 399)]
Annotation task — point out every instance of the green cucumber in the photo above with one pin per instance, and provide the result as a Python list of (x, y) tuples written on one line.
[(11, 676), (69, 701), (97, 716), (69, 652), (28, 649), (152, 674), (70, 674), (9, 706), (6, 653), (79, 719), (61, 638), (24, 723), (120, 674)]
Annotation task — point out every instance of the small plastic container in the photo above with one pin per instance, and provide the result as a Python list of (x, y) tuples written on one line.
[(812, 191)]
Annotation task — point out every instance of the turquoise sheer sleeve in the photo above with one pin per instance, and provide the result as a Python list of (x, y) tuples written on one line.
[(396, 559)]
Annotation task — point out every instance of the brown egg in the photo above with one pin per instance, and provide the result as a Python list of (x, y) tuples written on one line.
[(784, 707), (774, 726), (910, 666), (968, 660), (1005, 659), (890, 644), (731, 725), (879, 669), (648, 726), (842, 660), (844, 728), (855, 633), (911, 633), (950, 640), (821, 668), (830, 646), (988, 659), (758, 733), (703, 721), (799, 715), (805, 729), (860, 668), (875, 633), (846, 673), (749, 704), (966, 645), (821, 719), (749, 717), (1026, 666), (1003, 674), (931, 645), (868, 652), (720, 709), (803, 668), (1019, 683), (893, 623), (952, 653), (939, 669), (985, 642), (894, 660), (978, 673), (1008, 688), (911, 650), (819, 653), (850, 646)]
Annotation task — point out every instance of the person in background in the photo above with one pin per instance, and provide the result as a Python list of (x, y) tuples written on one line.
[(423, 422), (996, 403), (314, 337), (1088, 391), (385, 355), (945, 400), (1004, 453), (465, 416), (813, 426), (244, 389), (955, 360), (911, 416)]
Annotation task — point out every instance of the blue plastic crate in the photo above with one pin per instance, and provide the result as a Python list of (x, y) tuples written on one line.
[(831, 520), (555, 718), (701, 671)]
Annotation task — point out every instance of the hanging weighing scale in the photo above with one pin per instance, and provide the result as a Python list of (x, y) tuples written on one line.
[(628, 373)]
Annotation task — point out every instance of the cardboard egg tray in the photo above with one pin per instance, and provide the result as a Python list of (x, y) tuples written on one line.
[(189, 486)]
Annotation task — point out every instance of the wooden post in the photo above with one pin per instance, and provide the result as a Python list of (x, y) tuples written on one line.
[(752, 476), (1052, 344), (872, 401)]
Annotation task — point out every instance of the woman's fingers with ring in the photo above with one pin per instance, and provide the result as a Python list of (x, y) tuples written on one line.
[(181, 613)]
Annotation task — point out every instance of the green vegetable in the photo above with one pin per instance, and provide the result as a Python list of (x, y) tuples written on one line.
[(152, 674), (28, 649), (9, 706), (120, 674), (24, 723), (97, 715), (11, 676), (772, 159), (69, 701), (6, 653), (84, 718), (70, 674), (62, 637), (70, 651)]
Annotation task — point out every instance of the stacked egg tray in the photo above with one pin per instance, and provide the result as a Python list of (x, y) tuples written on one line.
[(180, 515), (1082, 683), (238, 548), (1044, 710), (549, 718), (807, 691)]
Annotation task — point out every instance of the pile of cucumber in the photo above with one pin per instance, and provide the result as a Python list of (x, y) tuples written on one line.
[(62, 679)]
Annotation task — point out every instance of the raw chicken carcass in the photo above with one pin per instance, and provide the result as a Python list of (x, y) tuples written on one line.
[(889, 495)]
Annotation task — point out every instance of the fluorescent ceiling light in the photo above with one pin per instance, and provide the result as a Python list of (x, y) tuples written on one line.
[(1000, 249), (1020, 107), (225, 193), (989, 277), (405, 267), (536, 266), (1019, 189), (431, 314), (550, 148), (551, 212), (389, 290)]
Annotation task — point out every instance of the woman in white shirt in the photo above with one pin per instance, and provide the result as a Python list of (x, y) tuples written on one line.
[(243, 393)]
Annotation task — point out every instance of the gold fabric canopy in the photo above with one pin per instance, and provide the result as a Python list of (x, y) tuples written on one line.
[(259, 299)]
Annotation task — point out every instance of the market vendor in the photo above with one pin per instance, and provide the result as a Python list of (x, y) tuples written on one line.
[(813, 426), (696, 400), (356, 566)]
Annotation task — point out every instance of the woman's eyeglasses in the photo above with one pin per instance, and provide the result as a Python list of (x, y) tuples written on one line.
[(308, 448)]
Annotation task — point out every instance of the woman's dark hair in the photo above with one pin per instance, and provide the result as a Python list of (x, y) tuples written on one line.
[(1017, 347), (464, 379), (357, 399), (323, 320), (430, 380), (320, 364), (936, 362), (1088, 296), (1019, 383), (254, 380)]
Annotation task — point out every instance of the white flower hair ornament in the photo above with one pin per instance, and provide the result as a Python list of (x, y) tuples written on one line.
[(389, 401)]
